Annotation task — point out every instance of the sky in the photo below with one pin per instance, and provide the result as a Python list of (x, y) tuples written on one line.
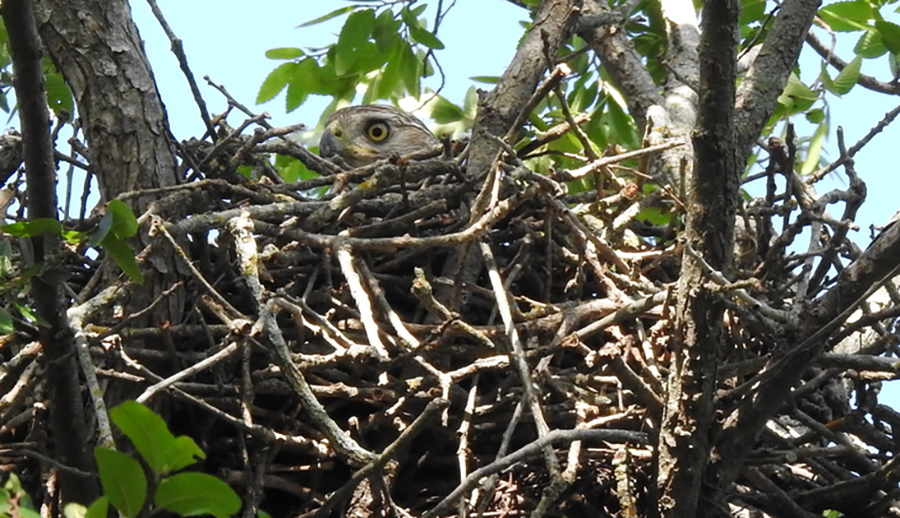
[(227, 40)]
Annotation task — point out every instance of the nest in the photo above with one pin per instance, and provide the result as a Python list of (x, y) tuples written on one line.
[(406, 336)]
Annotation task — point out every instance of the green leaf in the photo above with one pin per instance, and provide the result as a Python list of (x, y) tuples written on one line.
[(33, 227), (584, 97), (285, 53), (425, 38), (123, 256), (291, 169), (13, 490), (815, 116), (304, 78), (74, 510), (73, 237), (815, 148), (332, 14), (123, 480), (417, 32), (795, 88), (444, 112), (5, 506), (418, 10), (870, 45), (796, 97), (59, 97), (470, 105), (847, 78), (390, 79), (890, 35), (847, 16), (410, 70), (295, 97), (622, 123), (752, 11), (355, 32), (368, 58), (490, 80), (194, 494), (6, 322), (655, 215), (97, 236), (275, 82), (386, 31), (124, 224), (162, 451), (26, 312), (99, 509)]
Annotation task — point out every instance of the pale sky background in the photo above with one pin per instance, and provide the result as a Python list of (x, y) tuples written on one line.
[(227, 40)]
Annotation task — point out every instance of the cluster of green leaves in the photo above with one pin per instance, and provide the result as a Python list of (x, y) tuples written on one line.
[(14, 501), (13, 284), (59, 97), (878, 38), (387, 51), (116, 226), (124, 479), (5, 68)]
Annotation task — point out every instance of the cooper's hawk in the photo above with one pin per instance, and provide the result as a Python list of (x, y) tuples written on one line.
[(363, 134)]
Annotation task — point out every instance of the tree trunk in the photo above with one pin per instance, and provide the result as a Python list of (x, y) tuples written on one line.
[(96, 46)]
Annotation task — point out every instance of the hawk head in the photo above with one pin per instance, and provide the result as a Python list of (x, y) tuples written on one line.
[(363, 134)]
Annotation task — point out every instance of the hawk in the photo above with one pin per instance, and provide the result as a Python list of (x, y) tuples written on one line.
[(363, 134)]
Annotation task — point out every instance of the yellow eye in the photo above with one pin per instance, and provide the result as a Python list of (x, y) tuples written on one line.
[(377, 131)]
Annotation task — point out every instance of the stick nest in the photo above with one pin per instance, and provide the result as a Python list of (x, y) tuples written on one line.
[(444, 320)]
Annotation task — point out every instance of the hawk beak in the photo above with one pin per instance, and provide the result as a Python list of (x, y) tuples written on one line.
[(329, 145)]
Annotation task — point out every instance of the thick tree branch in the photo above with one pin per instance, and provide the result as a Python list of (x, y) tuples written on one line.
[(624, 65), (769, 72), (502, 105), (700, 337)]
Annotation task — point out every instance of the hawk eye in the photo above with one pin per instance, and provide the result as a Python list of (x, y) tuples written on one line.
[(377, 131)]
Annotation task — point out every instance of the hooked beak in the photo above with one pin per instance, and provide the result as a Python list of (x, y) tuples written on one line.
[(329, 145), (333, 144)]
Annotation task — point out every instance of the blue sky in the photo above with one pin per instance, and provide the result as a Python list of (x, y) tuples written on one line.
[(227, 39)]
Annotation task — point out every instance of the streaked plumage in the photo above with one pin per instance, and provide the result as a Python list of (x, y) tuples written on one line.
[(363, 134)]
